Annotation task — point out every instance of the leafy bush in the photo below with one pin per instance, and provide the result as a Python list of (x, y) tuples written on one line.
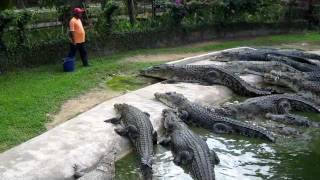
[(105, 20)]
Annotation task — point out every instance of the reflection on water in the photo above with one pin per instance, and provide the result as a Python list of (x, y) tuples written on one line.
[(240, 158)]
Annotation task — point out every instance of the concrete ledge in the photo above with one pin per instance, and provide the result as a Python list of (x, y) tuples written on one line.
[(83, 139)]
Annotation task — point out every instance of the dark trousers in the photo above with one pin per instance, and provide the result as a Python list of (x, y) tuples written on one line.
[(83, 53)]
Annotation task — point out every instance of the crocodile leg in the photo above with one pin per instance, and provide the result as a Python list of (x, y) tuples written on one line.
[(154, 137), (183, 158), (214, 158), (165, 141), (283, 106), (77, 172), (115, 120), (124, 131), (183, 114), (221, 128)]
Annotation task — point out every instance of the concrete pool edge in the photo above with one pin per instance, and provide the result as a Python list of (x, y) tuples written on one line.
[(83, 139)]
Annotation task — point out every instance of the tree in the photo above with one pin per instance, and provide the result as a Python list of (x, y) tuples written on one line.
[(5, 4), (131, 13)]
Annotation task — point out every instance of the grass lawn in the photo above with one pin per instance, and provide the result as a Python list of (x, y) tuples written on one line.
[(27, 96)]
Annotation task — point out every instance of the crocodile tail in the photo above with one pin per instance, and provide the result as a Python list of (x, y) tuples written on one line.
[(312, 98)]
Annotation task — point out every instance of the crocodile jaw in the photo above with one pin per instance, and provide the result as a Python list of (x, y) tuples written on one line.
[(164, 99)]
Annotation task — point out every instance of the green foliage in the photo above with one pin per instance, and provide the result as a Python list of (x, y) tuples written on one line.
[(105, 20)]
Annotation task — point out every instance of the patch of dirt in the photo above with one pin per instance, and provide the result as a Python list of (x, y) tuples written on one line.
[(161, 57), (78, 105)]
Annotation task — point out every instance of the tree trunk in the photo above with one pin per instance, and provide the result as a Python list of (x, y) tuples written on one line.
[(131, 11), (20, 4), (153, 8)]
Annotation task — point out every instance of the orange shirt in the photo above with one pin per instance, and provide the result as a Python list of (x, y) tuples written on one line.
[(76, 26)]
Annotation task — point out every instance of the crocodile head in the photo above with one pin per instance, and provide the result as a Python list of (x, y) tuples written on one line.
[(164, 71), (171, 99), (121, 107), (146, 168), (170, 120), (279, 78)]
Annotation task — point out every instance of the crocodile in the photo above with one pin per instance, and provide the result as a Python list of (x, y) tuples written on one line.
[(204, 74), (260, 54), (242, 67), (299, 63), (275, 104), (295, 83), (105, 169), (301, 66), (136, 125), (292, 119), (193, 113), (189, 149)]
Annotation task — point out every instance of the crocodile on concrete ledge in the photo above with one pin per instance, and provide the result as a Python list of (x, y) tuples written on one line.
[(275, 104), (292, 119), (188, 149), (242, 67), (197, 114), (136, 125), (105, 169), (295, 83), (206, 75), (261, 54)]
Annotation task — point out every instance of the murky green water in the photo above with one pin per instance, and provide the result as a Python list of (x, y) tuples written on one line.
[(241, 158)]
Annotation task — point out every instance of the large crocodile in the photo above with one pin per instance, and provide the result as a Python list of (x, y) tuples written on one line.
[(105, 169), (137, 127), (189, 149), (202, 116), (260, 54), (204, 74), (292, 119), (242, 67), (299, 63), (275, 104), (301, 66), (295, 83)]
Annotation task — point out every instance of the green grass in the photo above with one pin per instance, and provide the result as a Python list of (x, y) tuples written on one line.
[(28, 95), (125, 83)]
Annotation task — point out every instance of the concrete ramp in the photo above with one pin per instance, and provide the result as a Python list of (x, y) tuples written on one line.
[(85, 138)]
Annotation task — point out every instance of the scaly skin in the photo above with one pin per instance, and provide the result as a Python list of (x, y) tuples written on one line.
[(295, 83), (204, 117), (105, 169), (289, 57), (275, 104), (205, 74), (242, 67), (188, 148), (291, 119), (301, 66), (137, 127)]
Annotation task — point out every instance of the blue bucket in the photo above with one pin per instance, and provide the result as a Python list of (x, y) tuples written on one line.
[(68, 64)]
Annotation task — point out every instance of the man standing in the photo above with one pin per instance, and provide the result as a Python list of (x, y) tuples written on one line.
[(77, 36)]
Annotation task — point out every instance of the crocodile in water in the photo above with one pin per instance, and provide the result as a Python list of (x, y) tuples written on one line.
[(136, 125), (189, 149), (200, 115)]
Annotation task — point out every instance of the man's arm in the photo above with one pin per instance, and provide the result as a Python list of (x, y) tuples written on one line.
[(71, 32), (71, 35)]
